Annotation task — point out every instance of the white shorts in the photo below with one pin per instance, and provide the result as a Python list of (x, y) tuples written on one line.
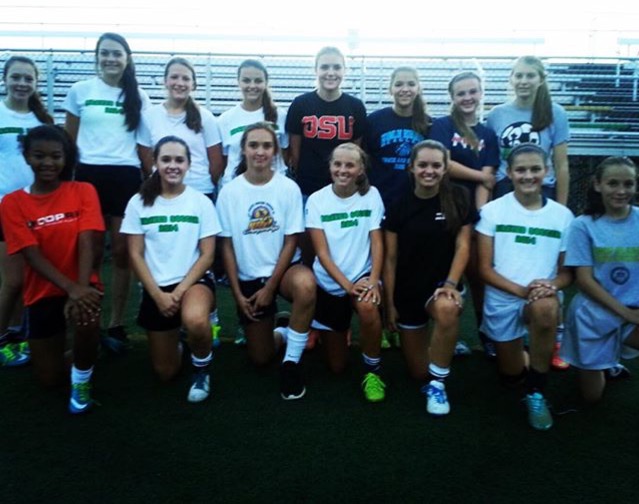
[(594, 335), (503, 318)]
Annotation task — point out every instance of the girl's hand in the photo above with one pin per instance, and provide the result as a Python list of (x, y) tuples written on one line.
[(488, 179), (246, 307), (261, 300), (87, 298), (81, 317), (167, 306), (365, 291), (449, 292), (539, 289), (391, 317)]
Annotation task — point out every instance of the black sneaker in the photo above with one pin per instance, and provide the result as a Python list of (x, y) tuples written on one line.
[(617, 372), (291, 384)]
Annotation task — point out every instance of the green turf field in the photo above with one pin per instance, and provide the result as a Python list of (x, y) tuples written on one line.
[(145, 443)]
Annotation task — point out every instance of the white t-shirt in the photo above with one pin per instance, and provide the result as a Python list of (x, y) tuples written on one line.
[(172, 229), (526, 243), (347, 223), (15, 173), (232, 124), (158, 123), (258, 218), (103, 137)]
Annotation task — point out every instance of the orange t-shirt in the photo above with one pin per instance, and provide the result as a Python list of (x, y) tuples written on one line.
[(52, 222)]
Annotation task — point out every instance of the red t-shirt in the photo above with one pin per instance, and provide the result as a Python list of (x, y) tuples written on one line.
[(53, 223)]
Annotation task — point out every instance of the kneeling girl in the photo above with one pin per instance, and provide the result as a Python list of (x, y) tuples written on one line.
[(344, 222), (171, 230)]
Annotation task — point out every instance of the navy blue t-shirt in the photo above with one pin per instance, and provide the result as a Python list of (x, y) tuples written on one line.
[(389, 141)]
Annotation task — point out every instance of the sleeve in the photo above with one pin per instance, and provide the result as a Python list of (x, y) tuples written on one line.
[(131, 221), (71, 104), (391, 219), (561, 132), (91, 217), (579, 245), (295, 215), (144, 130), (210, 224), (294, 117), (440, 133), (18, 234), (222, 213), (282, 136), (313, 214), (210, 129), (377, 208), (486, 224), (360, 120), (492, 121), (146, 101)]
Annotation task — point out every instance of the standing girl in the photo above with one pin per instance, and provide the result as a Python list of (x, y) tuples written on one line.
[(602, 324), (474, 157), (344, 221), (103, 115), (179, 115), (257, 106), (320, 120), (171, 232), (261, 215), (532, 117), (392, 132), (53, 224), (21, 110), (427, 241), (522, 240)]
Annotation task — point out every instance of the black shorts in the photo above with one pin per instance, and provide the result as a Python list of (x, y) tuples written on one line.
[(150, 318), (45, 318), (333, 312), (249, 288), (115, 185)]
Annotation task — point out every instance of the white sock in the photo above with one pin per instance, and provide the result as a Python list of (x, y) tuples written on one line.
[(295, 343), (438, 372), (201, 362), (79, 375)]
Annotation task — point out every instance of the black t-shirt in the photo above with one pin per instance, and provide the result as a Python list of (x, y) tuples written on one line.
[(425, 248), (323, 126)]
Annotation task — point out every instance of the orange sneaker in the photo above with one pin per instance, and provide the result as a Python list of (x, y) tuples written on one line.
[(557, 363)]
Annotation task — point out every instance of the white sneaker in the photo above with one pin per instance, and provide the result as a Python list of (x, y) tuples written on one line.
[(436, 399), (461, 348), (200, 387)]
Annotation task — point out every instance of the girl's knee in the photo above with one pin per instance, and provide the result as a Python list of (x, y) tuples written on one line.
[(166, 372), (544, 313)]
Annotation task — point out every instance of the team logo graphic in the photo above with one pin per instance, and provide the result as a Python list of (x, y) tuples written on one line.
[(403, 150), (518, 133), (261, 219), (620, 275)]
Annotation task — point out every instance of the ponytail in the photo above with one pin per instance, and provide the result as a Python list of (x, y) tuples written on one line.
[(151, 189)]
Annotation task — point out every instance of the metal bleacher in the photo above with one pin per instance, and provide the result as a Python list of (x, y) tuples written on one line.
[(600, 96)]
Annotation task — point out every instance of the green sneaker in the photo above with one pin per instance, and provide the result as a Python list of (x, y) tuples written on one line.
[(386, 344), (373, 387), (215, 335), (80, 401), (539, 416), (9, 357)]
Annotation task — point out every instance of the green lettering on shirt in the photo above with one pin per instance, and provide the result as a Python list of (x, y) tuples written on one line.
[(156, 219), (616, 254), (360, 213), (99, 103), (191, 219), (548, 233), (12, 131), (168, 228), (526, 240), (334, 217), (509, 228), (349, 223)]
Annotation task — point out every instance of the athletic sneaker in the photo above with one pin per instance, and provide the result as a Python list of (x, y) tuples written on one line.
[(461, 348), (617, 372), (240, 337), (80, 401), (215, 335), (373, 387), (9, 357), (10, 336), (200, 386), (490, 350), (386, 344), (557, 363), (116, 340), (539, 416), (291, 384), (436, 399)]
